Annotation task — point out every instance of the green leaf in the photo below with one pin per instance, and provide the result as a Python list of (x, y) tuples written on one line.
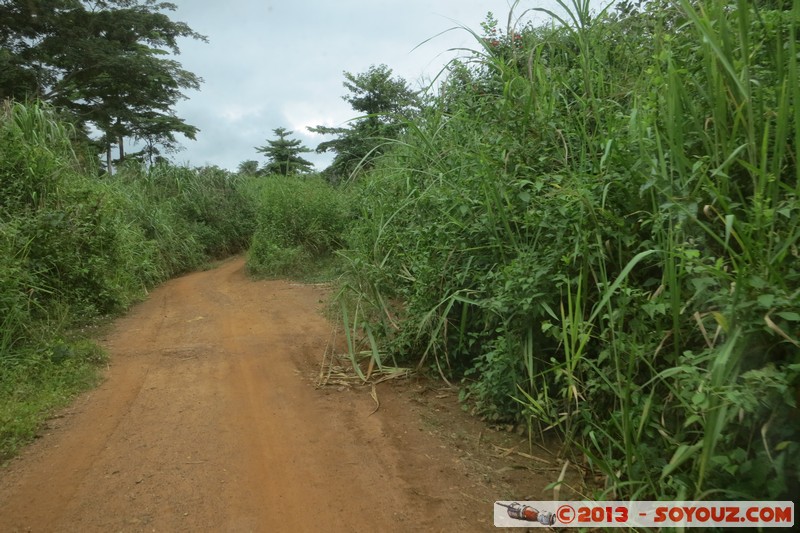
[(681, 455), (691, 420), (766, 300), (617, 282), (731, 469)]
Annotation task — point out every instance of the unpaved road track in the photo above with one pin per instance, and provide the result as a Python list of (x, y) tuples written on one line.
[(208, 421)]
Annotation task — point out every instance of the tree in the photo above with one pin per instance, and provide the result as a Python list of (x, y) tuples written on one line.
[(386, 103), (283, 155), (248, 168), (104, 62)]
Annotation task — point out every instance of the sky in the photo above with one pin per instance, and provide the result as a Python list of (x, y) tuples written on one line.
[(271, 64)]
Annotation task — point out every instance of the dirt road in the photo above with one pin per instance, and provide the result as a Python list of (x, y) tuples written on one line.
[(209, 421)]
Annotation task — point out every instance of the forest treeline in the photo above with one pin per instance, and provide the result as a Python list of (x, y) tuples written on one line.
[(591, 226), (109, 67)]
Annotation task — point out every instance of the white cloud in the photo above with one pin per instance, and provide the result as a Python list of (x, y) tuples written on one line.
[(233, 113), (301, 115)]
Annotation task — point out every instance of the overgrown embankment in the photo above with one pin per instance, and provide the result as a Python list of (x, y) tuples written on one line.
[(595, 227), (75, 246)]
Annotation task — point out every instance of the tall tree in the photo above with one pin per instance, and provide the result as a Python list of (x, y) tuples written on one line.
[(104, 61), (385, 102), (283, 155)]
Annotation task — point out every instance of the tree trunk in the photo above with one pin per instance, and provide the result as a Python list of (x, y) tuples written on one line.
[(108, 160), (121, 150)]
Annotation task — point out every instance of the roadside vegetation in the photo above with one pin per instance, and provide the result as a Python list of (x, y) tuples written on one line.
[(593, 229)]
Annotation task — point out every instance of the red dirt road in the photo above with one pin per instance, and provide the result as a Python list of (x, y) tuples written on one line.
[(209, 421)]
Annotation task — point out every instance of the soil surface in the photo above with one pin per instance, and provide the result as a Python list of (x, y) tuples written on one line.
[(212, 418)]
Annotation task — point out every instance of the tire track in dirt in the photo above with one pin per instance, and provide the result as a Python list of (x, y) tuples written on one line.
[(208, 421)]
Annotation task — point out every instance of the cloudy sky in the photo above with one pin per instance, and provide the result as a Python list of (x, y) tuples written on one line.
[(280, 63)]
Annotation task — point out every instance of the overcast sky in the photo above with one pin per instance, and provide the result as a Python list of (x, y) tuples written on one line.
[(280, 63)]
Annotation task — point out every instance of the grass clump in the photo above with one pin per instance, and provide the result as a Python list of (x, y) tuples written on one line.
[(300, 224), (40, 379)]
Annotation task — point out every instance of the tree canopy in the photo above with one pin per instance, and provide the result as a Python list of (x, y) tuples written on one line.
[(248, 168), (283, 155), (106, 63), (385, 102)]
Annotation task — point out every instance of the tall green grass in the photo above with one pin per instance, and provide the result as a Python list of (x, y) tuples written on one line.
[(188, 215), (301, 222), (595, 229)]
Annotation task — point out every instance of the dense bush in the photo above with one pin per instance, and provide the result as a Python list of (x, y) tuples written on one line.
[(595, 226), (63, 231), (301, 220)]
